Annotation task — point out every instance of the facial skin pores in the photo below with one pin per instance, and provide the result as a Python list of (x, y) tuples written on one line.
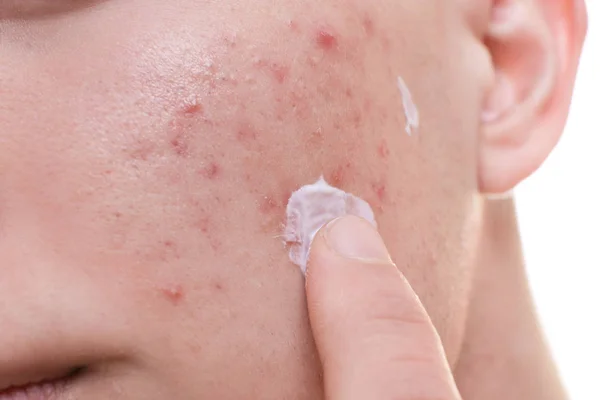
[(410, 109), (313, 206)]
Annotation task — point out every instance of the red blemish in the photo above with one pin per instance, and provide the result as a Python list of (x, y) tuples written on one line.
[(380, 190), (368, 25), (349, 93), (383, 149), (280, 72), (215, 244), (192, 110), (218, 286), (326, 39), (180, 144), (173, 294), (356, 119), (268, 204), (203, 224), (315, 139), (339, 175), (117, 215), (212, 171), (293, 24), (142, 150), (246, 134)]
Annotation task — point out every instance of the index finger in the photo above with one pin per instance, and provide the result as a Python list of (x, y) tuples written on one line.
[(373, 335)]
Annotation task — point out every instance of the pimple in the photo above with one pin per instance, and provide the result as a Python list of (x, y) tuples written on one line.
[(174, 294), (326, 39)]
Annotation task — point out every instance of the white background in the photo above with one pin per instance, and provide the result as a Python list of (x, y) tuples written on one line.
[(559, 212)]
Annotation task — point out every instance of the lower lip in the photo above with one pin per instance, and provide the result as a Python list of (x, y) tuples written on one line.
[(38, 391)]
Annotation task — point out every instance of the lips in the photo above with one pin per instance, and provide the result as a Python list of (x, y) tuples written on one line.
[(46, 389)]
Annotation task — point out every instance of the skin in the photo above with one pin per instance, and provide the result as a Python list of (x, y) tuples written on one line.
[(148, 149)]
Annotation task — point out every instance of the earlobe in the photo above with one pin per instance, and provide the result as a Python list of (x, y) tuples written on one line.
[(535, 46)]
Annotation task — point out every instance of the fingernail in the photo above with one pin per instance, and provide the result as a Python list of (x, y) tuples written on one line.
[(353, 237)]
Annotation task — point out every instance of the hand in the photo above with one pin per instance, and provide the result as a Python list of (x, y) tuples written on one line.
[(374, 338)]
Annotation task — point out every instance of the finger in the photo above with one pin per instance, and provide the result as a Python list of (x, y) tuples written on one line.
[(374, 338)]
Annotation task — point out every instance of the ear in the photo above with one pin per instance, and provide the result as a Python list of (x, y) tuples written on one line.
[(535, 46)]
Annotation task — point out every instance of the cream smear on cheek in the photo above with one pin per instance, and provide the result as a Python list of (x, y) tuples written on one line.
[(411, 113), (311, 207)]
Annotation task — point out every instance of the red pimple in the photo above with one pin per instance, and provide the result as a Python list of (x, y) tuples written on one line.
[(173, 294), (212, 171), (326, 39), (380, 190)]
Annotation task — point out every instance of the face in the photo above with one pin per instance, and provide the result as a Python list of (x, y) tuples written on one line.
[(147, 152)]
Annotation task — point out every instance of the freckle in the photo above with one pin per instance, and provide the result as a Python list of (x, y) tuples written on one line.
[(117, 215), (218, 286), (326, 39), (368, 25), (383, 150), (173, 294)]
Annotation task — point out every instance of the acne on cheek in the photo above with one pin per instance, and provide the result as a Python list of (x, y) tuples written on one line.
[(196, 134)]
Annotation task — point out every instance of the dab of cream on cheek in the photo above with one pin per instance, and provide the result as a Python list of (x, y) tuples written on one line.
[(411, 113), (313, 206)]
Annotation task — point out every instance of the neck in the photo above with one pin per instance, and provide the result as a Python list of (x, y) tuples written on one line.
[(504, 354)]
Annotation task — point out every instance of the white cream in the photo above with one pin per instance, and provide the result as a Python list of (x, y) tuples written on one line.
[(411, 113), (313, 206)]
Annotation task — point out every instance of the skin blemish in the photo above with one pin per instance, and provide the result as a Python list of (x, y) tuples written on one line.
[(211, 171), (383, 150), (294, 26), (380, 190), (326, 39), (246, 134), (174, 294), (368, 25), (192, 110), (268, 204), (278, 71), (339, 175)]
